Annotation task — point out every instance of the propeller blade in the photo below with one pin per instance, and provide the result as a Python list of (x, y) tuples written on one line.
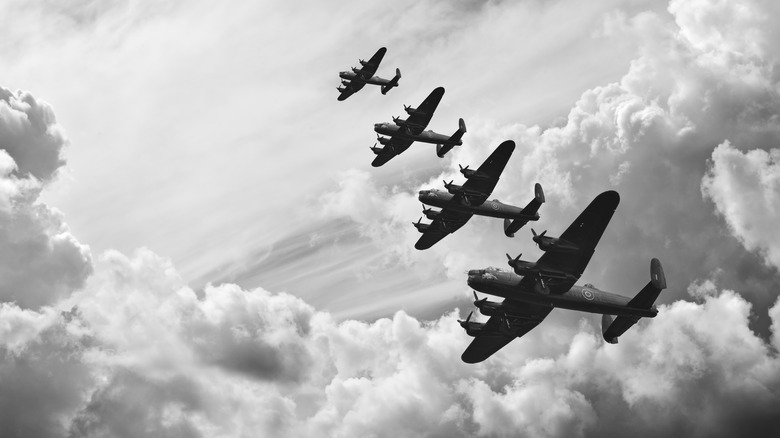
[(476, 298), (508, 257), (543, 233), (533, 232), (468, 318)]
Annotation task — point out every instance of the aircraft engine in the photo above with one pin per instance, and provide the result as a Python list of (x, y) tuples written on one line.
[(384, 141), (421, 227), (409, 110), (430, 213), (487, 308), (472, 328), (453, 188), (468, 173), (376, 150)]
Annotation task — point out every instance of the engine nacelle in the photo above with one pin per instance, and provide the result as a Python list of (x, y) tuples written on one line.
[(454, 189), (430, 213), (383, 140), (472, 328), (421, 227), (488, 308), (409, 110), (399, 121), (468, 173), (377, 150)]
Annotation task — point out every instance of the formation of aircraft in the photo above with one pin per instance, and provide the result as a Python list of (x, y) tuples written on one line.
[(533, 289), (460, 202), (352, 81), (401, 133)]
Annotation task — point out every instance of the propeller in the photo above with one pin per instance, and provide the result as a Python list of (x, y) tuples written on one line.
[(463, 168), (468, 318), (477, 300), (509, 257), (538, 237), (447, 184)]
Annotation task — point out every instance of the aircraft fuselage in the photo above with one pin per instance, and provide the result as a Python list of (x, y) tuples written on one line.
[(442, 199), (582, 298), (352, 76), (393, 130)]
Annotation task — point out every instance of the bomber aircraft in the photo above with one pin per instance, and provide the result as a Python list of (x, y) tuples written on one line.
[(534, 289), (403, 132), (459, 203), (353, 81)]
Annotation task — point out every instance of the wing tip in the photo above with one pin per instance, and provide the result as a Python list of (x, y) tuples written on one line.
[(610, 197), (509, 145)]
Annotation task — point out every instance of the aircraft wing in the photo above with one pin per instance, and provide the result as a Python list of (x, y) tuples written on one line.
[(368, 70), (396, 147), (448, 221), (488, 173), (585, 232), (419, 119), (522, 319), (353, 87)]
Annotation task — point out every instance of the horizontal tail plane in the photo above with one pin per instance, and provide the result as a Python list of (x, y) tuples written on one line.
[(612, 327), (454, 140), (511, 226), (393, 82)]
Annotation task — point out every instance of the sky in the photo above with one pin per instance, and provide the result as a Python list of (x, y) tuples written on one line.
[(193, 242)]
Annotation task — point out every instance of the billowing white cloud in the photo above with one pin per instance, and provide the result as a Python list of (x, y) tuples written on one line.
[(745, 187), (142, 353), (40, 261), (132, 350)]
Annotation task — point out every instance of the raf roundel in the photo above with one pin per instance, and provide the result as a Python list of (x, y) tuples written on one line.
[(587, 294), (494, 205)]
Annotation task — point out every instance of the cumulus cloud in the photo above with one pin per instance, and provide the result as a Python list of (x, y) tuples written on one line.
[(745, 187), (131, 350), (40, 261), (140, 353)]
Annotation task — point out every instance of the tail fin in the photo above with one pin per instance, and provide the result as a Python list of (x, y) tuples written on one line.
[(510, 228), (612, 329), (393, 82), (454, 140)]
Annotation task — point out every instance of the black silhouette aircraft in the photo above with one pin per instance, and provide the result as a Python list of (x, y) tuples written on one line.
[(403, 132), (534, 289), (353, 81), (459, 203)]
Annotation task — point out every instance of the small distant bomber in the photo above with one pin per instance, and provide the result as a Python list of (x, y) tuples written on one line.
[(535, 288), (459, 203), (353, 81), (403, 132)]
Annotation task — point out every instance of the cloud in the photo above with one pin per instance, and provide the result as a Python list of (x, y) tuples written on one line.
[(131, 350), (142, 353), (745, 188), (40, 261)]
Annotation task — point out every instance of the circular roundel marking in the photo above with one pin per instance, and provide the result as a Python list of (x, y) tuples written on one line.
[(494, 205), (588, 294)]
